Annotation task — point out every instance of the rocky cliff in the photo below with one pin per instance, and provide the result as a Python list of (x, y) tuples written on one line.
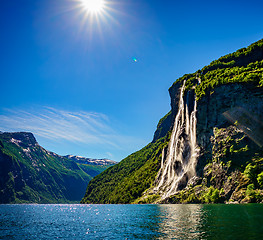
[(207, 149), (229, 134)]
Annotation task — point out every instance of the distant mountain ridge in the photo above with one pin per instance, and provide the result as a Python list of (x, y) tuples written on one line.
[(31, 174), (90, 161)]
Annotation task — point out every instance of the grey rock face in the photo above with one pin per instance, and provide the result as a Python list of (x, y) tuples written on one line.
[(229, 134), (212, 109)]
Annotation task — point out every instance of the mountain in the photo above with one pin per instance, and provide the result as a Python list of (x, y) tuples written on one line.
[(208, 148), (90, 161), (31, 174)]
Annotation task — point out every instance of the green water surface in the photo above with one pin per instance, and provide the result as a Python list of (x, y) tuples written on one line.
[(75, 221)]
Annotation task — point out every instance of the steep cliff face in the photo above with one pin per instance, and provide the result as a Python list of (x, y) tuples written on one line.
[(212, 140), (238, 105), (229, 134)]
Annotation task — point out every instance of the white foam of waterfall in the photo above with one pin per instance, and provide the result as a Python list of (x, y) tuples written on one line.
[(179, 161)]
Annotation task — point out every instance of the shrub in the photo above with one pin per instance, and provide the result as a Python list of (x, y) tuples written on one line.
[(260, 179), (250, 172), (212, 196)]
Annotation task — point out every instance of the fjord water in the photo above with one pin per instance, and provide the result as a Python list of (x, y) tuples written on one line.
[(74, 221)]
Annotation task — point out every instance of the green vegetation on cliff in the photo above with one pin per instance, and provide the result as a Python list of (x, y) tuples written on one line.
[(234, 174), (242, 66), (252, 73)]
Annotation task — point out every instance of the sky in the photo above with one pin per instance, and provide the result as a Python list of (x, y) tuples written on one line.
[(70, 77)]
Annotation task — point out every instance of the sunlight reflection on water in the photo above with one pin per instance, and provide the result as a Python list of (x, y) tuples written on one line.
[(180, 221), (67, 221)]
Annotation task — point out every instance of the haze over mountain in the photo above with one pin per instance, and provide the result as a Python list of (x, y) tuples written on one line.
[(90, 161)]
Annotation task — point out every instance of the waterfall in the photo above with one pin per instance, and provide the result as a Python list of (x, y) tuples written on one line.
[(179, 160)]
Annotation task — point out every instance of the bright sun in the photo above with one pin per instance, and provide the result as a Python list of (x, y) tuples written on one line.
[(93, 6)]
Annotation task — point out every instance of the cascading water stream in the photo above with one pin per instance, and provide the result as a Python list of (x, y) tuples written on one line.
[(179, 161)]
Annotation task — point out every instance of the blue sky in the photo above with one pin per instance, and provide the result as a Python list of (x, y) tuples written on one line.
[(72, 80)]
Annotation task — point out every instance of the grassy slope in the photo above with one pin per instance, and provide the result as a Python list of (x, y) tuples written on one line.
[(126, 181)]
